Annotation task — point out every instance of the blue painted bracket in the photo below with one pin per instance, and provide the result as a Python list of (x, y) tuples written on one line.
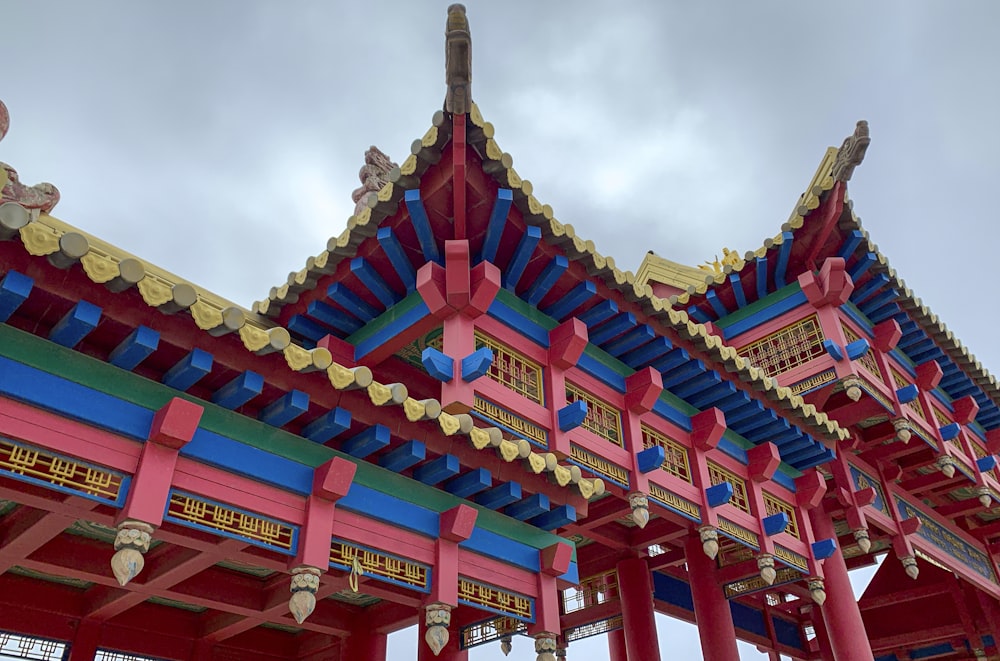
[(345, 298), (597, 314), (371, 279), (370, 440), (529, 507), (337, 319), (301, 325), (76, 324), (498, 220), (698, 314), (189, 370), (857, 348), (500, 496), (239, 391), (907, 393), (576, 297), (546, 280), (328, 425), (719, 494), (950, 431), (522, 255), (437, 471), (651, 458), (572, 415), (463, 486), (556, 518), (613, 328), (776, 523), (824, 548), (408, 454), (135, 348), (833, 349), (987, 463), (421, 225), (438, 365), (14, 290), (285, 409), (476, 364), (393, 249)]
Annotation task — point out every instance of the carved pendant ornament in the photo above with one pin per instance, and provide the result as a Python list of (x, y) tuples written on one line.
[(42, 197)]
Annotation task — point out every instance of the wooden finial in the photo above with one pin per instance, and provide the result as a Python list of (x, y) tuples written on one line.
[(852, 152), (458, 61)]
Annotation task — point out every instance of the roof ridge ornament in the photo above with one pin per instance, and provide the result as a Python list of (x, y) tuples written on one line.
[(41, 197), (852, 152), (374, 174), (458, 61)]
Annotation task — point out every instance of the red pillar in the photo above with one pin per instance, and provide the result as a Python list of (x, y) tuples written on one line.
[(85, 641), (635, 588), (822, 637), (366, 645), (711, 608), (616, 645), (846, 629)]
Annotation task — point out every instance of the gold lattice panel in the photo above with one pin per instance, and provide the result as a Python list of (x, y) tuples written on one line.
[(788, 348), (496, 599), (868, 360), (200, 513), (774, 505), (602, 418), (28, 463), (380, 565), (675, 455), (717, 475), (488, 631), (593, 628), (593, 590), (513, 370)]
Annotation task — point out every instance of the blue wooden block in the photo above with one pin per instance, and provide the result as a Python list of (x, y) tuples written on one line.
[(646, 354), (528, 508), (438, 470), (776, 523), (698, 314), (76, 324), (857, 348), (189, 370), (284, 409), (576, 297), (371, 279), (239, 391), (833, 349), (824, 548), (500, 496), (393, 249), (599, 313), (651, 458), (406, 455), (869, 288), (907, 393), (950, 431), (556, 518), (463, 486), (14, 290), (784, 252), (717, 305), (852, 241), (760, 264), (477, 364), (135, 348), (310, 329), (345, 298), (328, 426), (498, 220), (632, 339), (719, 494), (522, 255), (546, 280), (987, 463), (370, 440), (612, 328), (438, 365), (422, 225), (572, 415), (862, 265)]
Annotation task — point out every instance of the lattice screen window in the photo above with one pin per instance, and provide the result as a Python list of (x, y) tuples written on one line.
[(602, 418), (717, 475), (513, 370), (867, 360), (675, 455), (793, 345), (13, 646), (774, 505)]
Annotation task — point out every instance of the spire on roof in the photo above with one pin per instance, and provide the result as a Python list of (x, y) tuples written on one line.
[(458, 61), (852, 152)]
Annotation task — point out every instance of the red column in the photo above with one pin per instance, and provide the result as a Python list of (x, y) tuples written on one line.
[(841, 614), (635, 588), (366, 645), (822, 637), (85, 641), (711, 608), (616, 645)]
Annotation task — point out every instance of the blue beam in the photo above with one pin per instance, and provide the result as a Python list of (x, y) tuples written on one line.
[(717, 305), (438, 470), (572, 415), (576, 297), (500, 496), (188, 370), (637, 337), (651, 458), (339, 293), (284, 409), (613, 328), (309, 328), (76, 324), (370, 278), (393, 249), (737, 284), (529, 508), (135, 348), (761, 266), (328, 426), (421, 225), (477, 364), (437, 364), (599, 313), (14, 290), (239, 391), (335, 319), (677, 356), (644, 355), (862, 265), (463, 486), (408, 454), (698, 383), (851, 242), (522, 255), (556, 518), (498, 220), (784, 253), (546, 280), (698, 314), (874, 284), (371, 440), (878, 300), (682, 373)]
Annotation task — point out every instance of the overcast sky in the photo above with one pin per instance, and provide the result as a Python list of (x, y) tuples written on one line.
[(222, 140)]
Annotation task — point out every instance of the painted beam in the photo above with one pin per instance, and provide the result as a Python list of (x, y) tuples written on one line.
[(546, 280), (646, 354), (422, 225), (873, 285), (189, 370), (375, 283), (760, 266), (862, 265), (135, 348), (334, 318), (496, 224), (437, 471), (328, 426), (555, 518), (310, 329), (370, 440), (530, 507), (613, 328), (340, 294), (522, 255), (781, 265), (717, 305), (598, 314), (737, 286), (501, 495), (14, 290), (239, 391), (284, 409), (393, 250), (408, 454), (576, 297), (699, 315), (850, 244), (76, 324), (469, 484)]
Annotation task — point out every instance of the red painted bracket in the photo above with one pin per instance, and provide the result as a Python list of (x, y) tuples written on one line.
[(554, 560), (567, 342), (642, 389), (966, 410), (928, 375), (333, 479), (887, 335), (832, 286), (993, 441), (763, 461), (455, 288), (340, 350), (457, 524), (174, 425), (707, 428), (810, 489)]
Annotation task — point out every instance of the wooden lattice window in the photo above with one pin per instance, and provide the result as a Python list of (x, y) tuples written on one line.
[(513, 370), (602, 418), (774, 505), (793, 345), (675, 455), (717, 475), (868, 360)]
